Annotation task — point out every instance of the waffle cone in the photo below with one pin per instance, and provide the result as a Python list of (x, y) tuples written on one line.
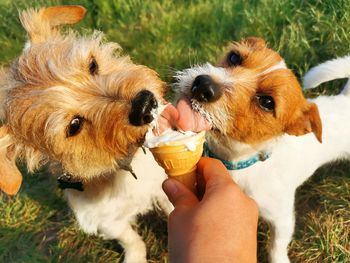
[(178, 161)]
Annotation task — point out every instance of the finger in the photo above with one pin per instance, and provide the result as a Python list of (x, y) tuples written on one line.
[(178, 194), (213, 172)]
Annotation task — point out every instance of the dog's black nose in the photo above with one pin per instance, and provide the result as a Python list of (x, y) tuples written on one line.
[(204, 89), (141, 108)]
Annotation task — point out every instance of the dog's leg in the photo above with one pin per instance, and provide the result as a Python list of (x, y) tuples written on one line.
[(282, 222), (134, 247), (282, 231)]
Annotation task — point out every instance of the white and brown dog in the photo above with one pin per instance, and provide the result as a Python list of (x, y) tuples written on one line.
[(256, 108), (74, 101)]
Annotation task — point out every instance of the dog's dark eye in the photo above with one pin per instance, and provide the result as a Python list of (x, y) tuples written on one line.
[(234, 59), (93, 66), (75, 126), (266, 102)]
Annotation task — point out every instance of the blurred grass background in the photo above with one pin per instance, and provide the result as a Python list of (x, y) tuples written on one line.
[(37, 225)]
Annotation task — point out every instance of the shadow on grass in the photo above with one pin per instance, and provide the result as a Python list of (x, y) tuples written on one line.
[(153, 228), (38, 226)]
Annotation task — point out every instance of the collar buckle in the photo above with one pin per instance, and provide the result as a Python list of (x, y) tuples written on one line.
[(263, 156)]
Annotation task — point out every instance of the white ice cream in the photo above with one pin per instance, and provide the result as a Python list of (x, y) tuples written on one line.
[(156, 114), (169, 137)]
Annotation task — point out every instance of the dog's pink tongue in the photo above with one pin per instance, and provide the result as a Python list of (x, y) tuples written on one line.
[(189, 119), (183, 117)]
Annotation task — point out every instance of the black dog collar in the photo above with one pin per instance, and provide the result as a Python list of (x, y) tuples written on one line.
[(65, 181)]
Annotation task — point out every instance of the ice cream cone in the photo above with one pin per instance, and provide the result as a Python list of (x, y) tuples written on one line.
[(179, 158)]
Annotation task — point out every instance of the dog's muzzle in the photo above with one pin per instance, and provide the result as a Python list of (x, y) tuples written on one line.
[(204, 89), (141, 108)]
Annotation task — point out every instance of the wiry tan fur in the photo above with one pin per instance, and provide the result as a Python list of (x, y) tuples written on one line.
[(42, 24), (48, 86), (50, 83)]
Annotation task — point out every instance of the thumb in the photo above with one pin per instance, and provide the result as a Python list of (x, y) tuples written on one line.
[(179, 194)]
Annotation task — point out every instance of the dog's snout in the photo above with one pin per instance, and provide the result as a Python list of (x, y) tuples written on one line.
[(204, 89), (141, 108)]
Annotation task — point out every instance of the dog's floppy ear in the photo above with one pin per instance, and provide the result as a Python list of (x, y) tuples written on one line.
[(63, 15), (256, 42), (10, 176), (42, 24), (308, 121)]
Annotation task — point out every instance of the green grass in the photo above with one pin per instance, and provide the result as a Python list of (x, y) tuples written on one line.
[(37, 225)]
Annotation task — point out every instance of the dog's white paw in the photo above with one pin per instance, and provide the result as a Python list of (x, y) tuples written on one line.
[(135, 251), (135, 257), (279, 258)]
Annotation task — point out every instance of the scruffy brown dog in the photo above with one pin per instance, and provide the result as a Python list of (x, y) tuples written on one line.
[(75, 101)]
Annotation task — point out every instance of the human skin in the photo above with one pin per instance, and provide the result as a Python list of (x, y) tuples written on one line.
[(221, 227)]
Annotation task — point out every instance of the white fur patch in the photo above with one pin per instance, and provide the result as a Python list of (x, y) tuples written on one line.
[(279, 65), (186, 77), (27, 46)]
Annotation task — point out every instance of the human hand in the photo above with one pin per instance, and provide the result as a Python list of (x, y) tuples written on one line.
[(222, 227)]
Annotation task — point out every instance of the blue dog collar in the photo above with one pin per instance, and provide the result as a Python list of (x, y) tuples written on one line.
[(262, 156)]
